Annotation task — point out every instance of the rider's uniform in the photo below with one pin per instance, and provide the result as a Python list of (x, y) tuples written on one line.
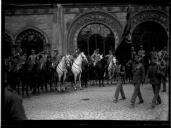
[(110, 58), (95, 58), (55, 60), (141, 53)]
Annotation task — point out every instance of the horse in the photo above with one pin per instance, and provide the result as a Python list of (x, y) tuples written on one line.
[(111, 68), (55, 62), (91, 73), (100, 70), (76, 68), (61, 70), (85, 73), (128, 71)]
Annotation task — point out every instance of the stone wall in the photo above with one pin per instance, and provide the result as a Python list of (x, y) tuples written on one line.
[(54, 22)]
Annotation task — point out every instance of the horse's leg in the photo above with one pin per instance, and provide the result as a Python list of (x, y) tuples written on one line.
[(80, 80), (56, 81), (46, 81), (64, 78), (59, 81), (75, 81)]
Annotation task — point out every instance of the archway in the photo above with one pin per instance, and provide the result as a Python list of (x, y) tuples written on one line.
[(149, 34), (31, 39), (95, 36), (7, 46), (93, 17)]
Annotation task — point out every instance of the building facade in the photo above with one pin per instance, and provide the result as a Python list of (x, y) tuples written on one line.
[(86, 26)]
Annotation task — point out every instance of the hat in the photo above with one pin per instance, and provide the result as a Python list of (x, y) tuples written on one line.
[(32, 50)]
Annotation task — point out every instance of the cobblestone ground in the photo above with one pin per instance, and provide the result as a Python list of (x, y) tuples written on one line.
[(95, 103)]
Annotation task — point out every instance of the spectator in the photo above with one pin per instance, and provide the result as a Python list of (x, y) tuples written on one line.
[(13, 107)]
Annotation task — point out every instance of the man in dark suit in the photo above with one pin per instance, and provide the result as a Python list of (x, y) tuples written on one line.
[(155, 76), (138, 78), (13, 107)]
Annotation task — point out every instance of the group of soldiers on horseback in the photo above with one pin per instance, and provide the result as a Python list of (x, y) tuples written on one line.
[(42, 70)]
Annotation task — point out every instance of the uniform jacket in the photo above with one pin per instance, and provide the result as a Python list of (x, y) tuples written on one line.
[(154, 74), (138, 73)]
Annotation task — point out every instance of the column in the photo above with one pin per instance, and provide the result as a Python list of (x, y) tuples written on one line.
[(61, 26)]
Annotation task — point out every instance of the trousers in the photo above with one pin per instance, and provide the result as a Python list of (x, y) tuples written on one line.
[(136, 93), (119, 89), (156, 97)]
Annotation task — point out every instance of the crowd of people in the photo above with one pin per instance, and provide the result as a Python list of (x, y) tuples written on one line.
[(156, 74), (38, 71)]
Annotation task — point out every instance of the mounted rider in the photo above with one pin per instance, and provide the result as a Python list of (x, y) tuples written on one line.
[(76, 53), (110, 56), (32, 57), (95, 56), (153, 54), (141, 52), (133, 53), (55, 58)]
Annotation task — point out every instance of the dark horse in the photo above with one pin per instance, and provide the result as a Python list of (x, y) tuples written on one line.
[(85, 73), (100, 70)]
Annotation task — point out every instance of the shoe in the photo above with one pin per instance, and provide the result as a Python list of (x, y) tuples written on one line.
[(158, 103), (152, 106), (140, 102), (115, 101), (123, 98)]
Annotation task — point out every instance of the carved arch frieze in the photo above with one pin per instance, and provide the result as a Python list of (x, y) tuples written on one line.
[(89, 18)]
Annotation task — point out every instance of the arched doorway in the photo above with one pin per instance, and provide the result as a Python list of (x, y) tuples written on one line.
[(31, 39), (149, 34), (92, 17), (95, 36), (7, 46)]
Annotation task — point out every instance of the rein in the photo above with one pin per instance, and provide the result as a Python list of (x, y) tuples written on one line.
[(77, 65), (64, 64)]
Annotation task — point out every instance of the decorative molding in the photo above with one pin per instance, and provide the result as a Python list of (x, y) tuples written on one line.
[(29, 11), (150, 15), (33, 28)]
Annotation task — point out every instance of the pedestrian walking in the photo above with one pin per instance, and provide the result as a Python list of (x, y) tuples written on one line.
[(154, 74), (119, 88), (163, 70), (138, 78)]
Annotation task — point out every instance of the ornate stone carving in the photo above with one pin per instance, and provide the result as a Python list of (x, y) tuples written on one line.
[(149, 15), (89, 18)]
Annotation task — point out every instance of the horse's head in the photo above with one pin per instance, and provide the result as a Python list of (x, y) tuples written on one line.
[(68, 61), (83, 56)]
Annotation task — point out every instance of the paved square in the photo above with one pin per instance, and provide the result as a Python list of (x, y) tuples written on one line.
[(95, 103)]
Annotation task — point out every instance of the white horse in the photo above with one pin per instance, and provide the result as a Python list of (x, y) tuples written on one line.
[(61, 70), (76, 68)]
